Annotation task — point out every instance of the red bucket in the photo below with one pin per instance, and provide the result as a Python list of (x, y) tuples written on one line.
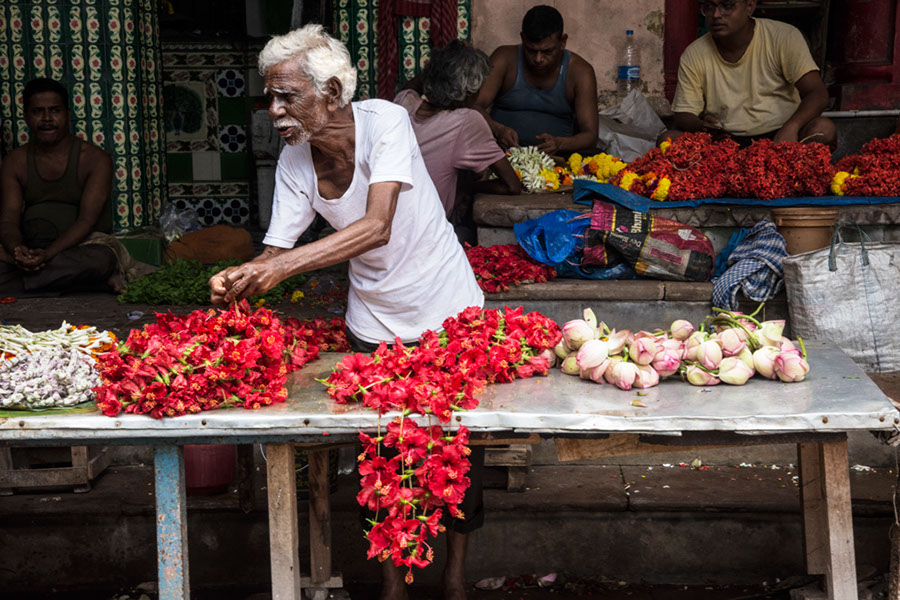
[(209, 468)]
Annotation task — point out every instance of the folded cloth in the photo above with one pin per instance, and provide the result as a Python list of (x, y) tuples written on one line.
[(126, 267), (755, 267)]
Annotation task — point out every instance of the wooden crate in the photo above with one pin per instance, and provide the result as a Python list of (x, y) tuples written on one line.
[(82, 464)]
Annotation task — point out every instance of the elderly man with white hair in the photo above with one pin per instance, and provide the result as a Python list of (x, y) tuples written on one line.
[(358, 165)]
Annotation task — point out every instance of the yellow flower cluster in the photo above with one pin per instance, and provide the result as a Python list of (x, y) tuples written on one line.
[(600, 166), (837, 184), (660, 186), (551, 179), (662, 189)]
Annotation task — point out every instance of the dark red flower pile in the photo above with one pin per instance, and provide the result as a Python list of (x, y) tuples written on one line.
[(424, 472), (693, 163), (498, 267), (769, 170), (875, 170), (210, 359)]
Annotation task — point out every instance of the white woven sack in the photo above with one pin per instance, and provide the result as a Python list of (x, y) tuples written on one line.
[(853, 303)]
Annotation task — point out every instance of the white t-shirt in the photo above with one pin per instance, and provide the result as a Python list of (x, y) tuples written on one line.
[(421, 276)]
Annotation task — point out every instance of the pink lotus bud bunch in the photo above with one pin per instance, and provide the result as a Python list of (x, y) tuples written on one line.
[(769, 333), (647, 377), (732, 340), (643, 349), (616, 341), (709, 354), (591, 354), (569, 365), (791, 366), (692, 343), (624, 375), (577, 332), (764, 361), (681, 329), (734, 371), (697, 376)]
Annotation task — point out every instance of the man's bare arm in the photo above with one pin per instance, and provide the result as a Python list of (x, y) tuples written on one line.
[(813, 100), (372, 231), (11, 201), (507, 182), (490, 90), (94, 198)]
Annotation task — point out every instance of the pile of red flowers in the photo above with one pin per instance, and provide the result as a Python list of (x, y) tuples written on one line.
[(769, 170), (210, 359), (875, 171), (498, 267), (425, 470)]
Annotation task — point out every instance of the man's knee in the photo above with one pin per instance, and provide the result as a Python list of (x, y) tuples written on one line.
[(820, 129)]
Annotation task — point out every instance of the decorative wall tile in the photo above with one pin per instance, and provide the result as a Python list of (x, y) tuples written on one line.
[(231, 83), (232, 138)]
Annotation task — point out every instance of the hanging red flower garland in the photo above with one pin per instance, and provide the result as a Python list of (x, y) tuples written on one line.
[(408, 492)]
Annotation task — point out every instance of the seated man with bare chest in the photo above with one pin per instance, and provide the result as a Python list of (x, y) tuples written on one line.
[(54, 218), (540, 94)]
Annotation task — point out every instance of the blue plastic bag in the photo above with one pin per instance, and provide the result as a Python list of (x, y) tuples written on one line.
[(555, 239)]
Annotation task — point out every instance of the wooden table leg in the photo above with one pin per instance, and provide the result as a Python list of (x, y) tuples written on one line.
[(828, 517), (815, 543), (319, 518), (6, 465), (283, 534), (171, 524), (840, 578)]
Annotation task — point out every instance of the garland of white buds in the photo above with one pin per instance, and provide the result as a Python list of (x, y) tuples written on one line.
[(15, 339), (47, 378), (529, 162)]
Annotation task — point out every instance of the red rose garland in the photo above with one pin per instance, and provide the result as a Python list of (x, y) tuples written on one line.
[(209, 359), (498, 267), (768, 170), (440, 376), (875, 171)]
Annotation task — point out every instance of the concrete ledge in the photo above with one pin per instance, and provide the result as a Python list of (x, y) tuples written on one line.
[(615, 290), (491, 210)]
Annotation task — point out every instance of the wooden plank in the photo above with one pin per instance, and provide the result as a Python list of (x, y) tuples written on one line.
[(620, 444), (812, 502), (689, 291), (38, 478), (502, 439), (245, 487), (595, 291), (171, 524), (6, 465), (511, 456), (80, 466), (840, 578), (319, 518), (283, 534), (98, 463), (515, 479)]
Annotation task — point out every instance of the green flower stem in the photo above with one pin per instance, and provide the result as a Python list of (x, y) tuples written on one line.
[(802, 347)]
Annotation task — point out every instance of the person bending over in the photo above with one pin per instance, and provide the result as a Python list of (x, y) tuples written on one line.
[(452, 136), (359, 166)]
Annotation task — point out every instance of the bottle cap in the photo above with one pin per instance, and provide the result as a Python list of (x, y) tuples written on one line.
[(629, 32)]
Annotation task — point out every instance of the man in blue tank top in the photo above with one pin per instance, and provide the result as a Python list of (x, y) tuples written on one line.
[(540, 94)]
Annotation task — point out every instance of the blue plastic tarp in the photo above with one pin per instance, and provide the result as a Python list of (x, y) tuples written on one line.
[(586, 191)]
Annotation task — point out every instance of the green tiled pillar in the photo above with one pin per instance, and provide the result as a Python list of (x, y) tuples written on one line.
[(355, 25), (106, 53)]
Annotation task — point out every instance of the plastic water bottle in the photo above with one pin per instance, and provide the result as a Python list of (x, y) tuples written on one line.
[(629, 74)]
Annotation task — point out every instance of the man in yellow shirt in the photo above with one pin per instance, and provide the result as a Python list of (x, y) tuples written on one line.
[(750, 79)]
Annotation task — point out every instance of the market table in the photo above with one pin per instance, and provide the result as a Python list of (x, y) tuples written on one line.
[(837, 397)]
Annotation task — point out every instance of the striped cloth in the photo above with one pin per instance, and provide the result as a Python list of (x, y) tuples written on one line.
[(755, 267)]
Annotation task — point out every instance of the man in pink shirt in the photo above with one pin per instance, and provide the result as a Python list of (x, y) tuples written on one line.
[(452, 135)]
